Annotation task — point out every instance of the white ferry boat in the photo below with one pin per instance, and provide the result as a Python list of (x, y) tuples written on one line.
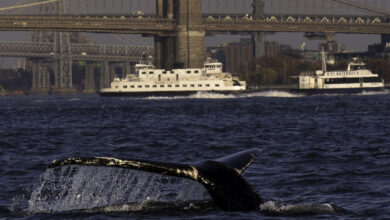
[(353, 80), (148, 81)]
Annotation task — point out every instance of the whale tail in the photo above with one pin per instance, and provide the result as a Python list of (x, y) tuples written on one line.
[(221, 177)]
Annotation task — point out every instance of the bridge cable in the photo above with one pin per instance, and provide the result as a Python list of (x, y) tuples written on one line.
[(18, 3), (28, 5), (363, 7)]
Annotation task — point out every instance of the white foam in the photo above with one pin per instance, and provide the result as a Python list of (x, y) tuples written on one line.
[(211, 95), (273, 93), (367, 93), (299, 209), (74, 99)]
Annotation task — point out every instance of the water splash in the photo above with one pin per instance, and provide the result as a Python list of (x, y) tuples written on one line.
[(71, 188)]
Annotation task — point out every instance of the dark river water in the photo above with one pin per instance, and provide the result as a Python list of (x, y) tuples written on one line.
[(316, 149)]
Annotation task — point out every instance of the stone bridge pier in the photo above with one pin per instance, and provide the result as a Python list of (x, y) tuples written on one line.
[(185, 49)]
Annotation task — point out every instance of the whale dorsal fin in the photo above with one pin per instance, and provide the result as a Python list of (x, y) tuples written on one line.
[(241, 160), (221, 177)]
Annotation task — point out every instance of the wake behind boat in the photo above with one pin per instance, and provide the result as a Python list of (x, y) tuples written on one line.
[(148, 81), (357, 78)]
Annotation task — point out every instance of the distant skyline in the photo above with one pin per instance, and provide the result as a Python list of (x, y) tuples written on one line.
[(351, 41)]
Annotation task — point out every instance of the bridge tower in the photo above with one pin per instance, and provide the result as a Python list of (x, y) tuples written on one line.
[(63, 61), (186, 48), (190, 34), (258, 38), (62, 67)]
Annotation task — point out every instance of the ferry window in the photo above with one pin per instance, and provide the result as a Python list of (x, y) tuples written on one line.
[(192, 85), (177, 77), (131, 86), (161, 86), (172, 72), (200, 85), (151, 72), (154, 86), (116, 87), (125, 87), (143, 72), (196, 71), (184, 85), (164, 72), (147, 86), (168, 79), (188, 71), (216, 85), (207, 85), (177, 86), (372, 79), (139, 86), (169, 86), (341, 80)]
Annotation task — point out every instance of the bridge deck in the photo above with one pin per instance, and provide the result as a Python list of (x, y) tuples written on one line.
[(166, 27)]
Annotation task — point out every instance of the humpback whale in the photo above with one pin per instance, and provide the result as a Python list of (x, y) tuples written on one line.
[(221, 177)]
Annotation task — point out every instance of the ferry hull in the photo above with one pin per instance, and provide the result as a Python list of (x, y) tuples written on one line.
[(337, 91), (165, 93)]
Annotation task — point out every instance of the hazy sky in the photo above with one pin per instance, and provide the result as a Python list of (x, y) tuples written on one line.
[(355, 42)]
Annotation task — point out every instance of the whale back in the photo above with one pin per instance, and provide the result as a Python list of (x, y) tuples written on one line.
[(221, 177)]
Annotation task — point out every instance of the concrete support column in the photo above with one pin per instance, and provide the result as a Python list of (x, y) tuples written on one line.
[(169, 8), (258, 38), (158, 52), (89, 78), (160, 8), (105, 78), (35, 75), (164, 47), (41, 78), (112, 71), (127, 68), (164, 52), (190, 33)]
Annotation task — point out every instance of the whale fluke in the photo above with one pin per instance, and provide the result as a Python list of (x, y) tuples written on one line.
[(221, 177)]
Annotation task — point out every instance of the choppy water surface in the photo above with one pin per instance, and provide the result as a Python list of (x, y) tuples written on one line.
[(316, 149)]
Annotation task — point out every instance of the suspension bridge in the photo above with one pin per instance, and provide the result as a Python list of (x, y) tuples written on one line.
[(179, 27)]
